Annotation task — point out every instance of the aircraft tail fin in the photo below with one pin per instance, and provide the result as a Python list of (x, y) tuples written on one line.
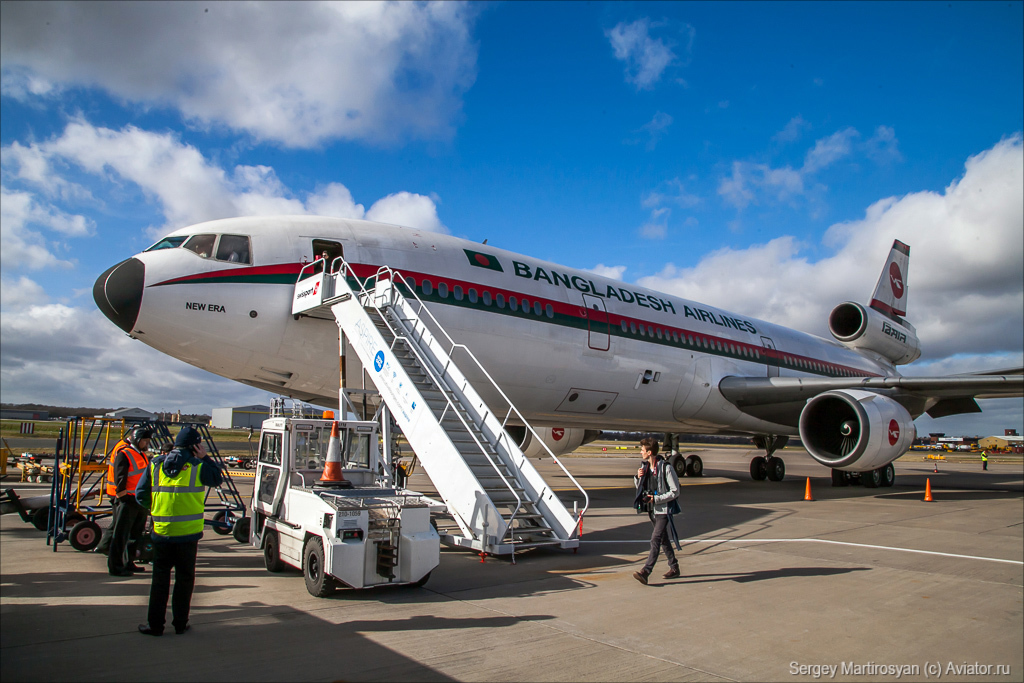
[(890, 297)]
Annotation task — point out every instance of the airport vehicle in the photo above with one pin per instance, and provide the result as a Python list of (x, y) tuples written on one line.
[(341, 523), (575, 352), (239, 462)]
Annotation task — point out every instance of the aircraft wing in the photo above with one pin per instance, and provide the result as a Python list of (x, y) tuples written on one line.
[(780, 399)]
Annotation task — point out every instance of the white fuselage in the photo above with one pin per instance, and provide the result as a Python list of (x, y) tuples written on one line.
[(589, 351)]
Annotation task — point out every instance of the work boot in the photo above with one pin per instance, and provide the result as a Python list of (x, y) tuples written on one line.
[(641, 577), (181, 630), (671, 574), (147, 630)]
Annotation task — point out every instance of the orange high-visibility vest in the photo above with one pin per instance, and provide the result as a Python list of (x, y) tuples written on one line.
[(139, 464)]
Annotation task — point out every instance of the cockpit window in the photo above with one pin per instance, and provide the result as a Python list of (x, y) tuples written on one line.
[(233, 248), (168, 243), (201, 244)]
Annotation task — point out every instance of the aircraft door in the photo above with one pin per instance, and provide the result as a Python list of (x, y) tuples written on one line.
[(773, 369), (328, 250), (598, 333), (268, 489)]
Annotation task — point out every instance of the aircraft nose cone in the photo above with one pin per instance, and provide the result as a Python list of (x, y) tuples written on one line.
[(118, 292)]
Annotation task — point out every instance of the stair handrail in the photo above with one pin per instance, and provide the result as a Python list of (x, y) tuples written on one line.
[(393, 274), (368, 297)]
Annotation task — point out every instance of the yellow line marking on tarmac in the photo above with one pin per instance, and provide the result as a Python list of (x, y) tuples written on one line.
[(819, 540)]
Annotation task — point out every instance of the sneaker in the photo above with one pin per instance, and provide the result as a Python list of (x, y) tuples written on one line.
[(672, 574), (135, 568), (641, 577), (147, 630)]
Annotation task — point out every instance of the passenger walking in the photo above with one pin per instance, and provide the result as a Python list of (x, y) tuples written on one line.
[(174, 489), (128, 462), (658, 487)]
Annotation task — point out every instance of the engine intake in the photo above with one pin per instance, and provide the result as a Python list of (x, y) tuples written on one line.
[(855, 430), (865, 328)]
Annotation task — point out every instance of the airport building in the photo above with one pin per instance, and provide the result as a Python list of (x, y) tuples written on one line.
[(1010, 442), (24, 415), (240, 417), (131, 414)]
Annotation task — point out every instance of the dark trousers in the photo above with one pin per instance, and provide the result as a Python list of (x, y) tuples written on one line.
[(182, 558), (125, 532), (660, 539)]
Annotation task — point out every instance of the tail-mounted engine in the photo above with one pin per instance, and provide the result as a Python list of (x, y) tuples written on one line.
[(559, 439), (866, 329), (855, 430)]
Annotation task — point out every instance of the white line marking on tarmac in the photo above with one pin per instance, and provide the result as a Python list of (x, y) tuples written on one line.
[(819, 540)]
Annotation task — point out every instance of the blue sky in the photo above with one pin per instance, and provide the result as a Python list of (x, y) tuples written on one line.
[(757, 156)]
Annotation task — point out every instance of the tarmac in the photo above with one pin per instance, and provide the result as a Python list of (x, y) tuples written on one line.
[(874, 582)]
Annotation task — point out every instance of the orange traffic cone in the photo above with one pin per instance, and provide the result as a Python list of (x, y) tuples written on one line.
[(807, 491), (332, 475), (928, 491)]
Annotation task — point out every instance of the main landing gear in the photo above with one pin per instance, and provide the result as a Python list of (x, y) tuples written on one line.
[(872, 479), (768, 466), (684, 465)]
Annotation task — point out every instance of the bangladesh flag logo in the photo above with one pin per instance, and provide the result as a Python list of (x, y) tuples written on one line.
[(481, 260)]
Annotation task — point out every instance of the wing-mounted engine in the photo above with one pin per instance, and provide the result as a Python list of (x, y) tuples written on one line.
[(865, 329), (855, 430), (559, 439)]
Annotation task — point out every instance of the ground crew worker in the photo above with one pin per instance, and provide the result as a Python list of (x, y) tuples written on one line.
[(984, 460), (128, 461), (173, 488)]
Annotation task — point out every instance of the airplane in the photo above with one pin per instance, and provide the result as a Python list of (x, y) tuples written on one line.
[(575, 352)]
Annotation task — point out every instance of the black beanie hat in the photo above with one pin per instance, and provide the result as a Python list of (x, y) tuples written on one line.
[(187, 438)]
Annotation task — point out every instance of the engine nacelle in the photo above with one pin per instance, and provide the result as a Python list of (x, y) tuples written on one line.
[(865, 328), (559, 439), (855, 430)]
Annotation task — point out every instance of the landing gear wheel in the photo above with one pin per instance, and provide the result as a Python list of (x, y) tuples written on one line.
[(423, 582), (314, 568), (241, 530), (41, 519), (678, 463), (695, 466), (888, 475), (271, 555), (871, 479), (840, 478), (759, 468), (220, 528), (85, 536), (776, 469)]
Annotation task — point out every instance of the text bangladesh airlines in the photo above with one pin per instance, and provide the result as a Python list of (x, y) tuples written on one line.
[(574, 351)]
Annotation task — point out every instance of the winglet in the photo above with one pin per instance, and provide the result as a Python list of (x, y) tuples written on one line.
[(890, 297)]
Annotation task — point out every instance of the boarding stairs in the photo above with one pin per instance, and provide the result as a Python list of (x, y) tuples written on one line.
[(497, 500)]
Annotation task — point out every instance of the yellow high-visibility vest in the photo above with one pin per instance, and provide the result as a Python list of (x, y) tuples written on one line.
[(177, 502)]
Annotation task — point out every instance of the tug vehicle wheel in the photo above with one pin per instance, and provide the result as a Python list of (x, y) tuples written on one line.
[(271, 555), (241, 530), (314, 568)]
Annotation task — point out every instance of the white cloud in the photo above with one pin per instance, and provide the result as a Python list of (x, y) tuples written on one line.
[(294, 73), (410, 210), (20, 293), (656, 128), (53, 351), (755, 183), (21, 246), (646, 58), (792, 130), (613, 272), (188, 187), (656, 228), (966, 289)]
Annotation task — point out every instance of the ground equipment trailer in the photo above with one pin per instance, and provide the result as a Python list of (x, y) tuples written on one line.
[(361, 533)]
